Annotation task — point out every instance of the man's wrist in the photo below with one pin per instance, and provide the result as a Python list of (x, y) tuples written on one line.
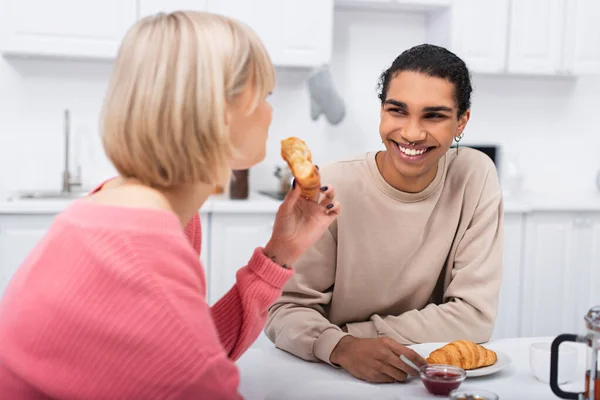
[(338, 351)]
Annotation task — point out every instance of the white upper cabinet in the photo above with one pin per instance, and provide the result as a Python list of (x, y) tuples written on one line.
[(536, 37), (582, 44), (525, 37), (149, 7), (476, 31), (408, 5), (65, 28), (295, 32)]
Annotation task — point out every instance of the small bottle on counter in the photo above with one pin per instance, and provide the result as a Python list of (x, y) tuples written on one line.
[(238, 186)]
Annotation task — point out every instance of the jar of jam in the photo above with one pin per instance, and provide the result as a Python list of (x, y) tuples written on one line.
[(440, 380)]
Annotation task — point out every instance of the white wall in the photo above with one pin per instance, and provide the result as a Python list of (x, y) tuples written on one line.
[(548, 123)]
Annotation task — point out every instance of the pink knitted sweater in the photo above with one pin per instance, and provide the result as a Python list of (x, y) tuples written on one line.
[(111, 305)]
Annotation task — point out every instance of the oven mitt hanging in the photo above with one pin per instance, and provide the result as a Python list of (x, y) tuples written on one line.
[(324, 99)]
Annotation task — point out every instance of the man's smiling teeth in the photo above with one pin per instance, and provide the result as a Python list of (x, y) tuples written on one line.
[(411, 152)]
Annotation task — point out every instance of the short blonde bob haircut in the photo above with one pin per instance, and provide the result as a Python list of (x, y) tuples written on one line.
[(163, 118)]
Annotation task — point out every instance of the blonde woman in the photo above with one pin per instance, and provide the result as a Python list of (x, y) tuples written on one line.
[(111, 303)]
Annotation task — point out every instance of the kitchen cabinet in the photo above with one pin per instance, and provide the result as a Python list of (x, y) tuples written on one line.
[(149, 7), (404, 5), (523, 37), (233, 239), (554, 37), (507, 320), (476, 31), (18, 236), (560, 272), (582, 52), (537, 29), (295, 32), (65, 28)]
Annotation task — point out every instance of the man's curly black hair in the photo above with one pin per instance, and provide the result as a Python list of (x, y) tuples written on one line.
[(434, 61)]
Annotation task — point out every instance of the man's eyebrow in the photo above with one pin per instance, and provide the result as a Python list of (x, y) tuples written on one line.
[(437, 108), (396, 103), (403, 105)]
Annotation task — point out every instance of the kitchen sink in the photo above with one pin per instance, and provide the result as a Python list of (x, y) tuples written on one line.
[(48, 195)]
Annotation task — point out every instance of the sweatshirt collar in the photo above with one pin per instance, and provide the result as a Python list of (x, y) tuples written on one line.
[(405, 196)]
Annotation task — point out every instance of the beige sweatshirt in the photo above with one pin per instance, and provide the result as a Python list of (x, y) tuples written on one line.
[(417, 267)]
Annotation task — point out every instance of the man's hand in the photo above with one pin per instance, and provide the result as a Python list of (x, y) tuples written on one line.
[(375, 360)]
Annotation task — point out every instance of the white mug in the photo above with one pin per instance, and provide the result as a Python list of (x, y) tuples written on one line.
[(539, 362)]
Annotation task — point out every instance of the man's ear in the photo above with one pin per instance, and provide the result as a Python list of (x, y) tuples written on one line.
[(462, 122)]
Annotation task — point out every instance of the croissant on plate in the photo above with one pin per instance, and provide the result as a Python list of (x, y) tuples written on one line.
[(464, 354)]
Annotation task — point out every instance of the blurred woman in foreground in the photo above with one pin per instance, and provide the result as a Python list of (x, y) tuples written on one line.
[(111, 302)]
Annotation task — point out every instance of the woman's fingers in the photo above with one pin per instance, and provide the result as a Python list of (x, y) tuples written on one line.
[(328, 196), (328, 192), (332, 208), (291, 197)]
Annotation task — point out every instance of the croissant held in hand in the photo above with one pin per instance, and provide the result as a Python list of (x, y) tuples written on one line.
[(298, 157), (464, 354)]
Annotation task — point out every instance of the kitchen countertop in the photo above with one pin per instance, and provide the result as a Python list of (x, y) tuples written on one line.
[(258, 203)]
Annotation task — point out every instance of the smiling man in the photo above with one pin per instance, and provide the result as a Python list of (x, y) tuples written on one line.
[(416, 256)]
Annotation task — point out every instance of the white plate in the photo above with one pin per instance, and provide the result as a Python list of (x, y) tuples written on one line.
[(502, 362)]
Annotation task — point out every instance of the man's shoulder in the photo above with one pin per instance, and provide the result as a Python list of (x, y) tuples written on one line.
[(472, 168), (467, 159)]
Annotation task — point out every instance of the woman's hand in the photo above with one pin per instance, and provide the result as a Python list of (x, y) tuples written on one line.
[(299, 224)]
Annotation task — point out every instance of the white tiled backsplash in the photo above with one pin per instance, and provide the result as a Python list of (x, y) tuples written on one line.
[(549, 124)]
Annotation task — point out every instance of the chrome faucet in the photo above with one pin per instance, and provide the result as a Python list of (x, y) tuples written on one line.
[(68, 182)]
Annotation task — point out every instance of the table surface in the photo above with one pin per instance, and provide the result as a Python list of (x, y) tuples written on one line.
[(268, 373)]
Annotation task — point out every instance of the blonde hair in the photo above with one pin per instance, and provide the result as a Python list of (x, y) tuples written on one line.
[(163, 119)]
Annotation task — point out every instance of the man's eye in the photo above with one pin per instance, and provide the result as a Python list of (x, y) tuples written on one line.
[(435, 116)]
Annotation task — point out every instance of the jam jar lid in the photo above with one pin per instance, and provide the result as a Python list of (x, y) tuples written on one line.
[(592, 319)]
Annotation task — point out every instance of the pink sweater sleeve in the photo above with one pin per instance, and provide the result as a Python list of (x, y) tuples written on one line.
[(241, 314)]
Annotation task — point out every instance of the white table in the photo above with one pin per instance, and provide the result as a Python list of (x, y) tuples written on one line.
[(268, 373)]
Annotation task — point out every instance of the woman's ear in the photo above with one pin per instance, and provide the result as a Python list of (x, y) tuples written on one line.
[(462, 122)]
